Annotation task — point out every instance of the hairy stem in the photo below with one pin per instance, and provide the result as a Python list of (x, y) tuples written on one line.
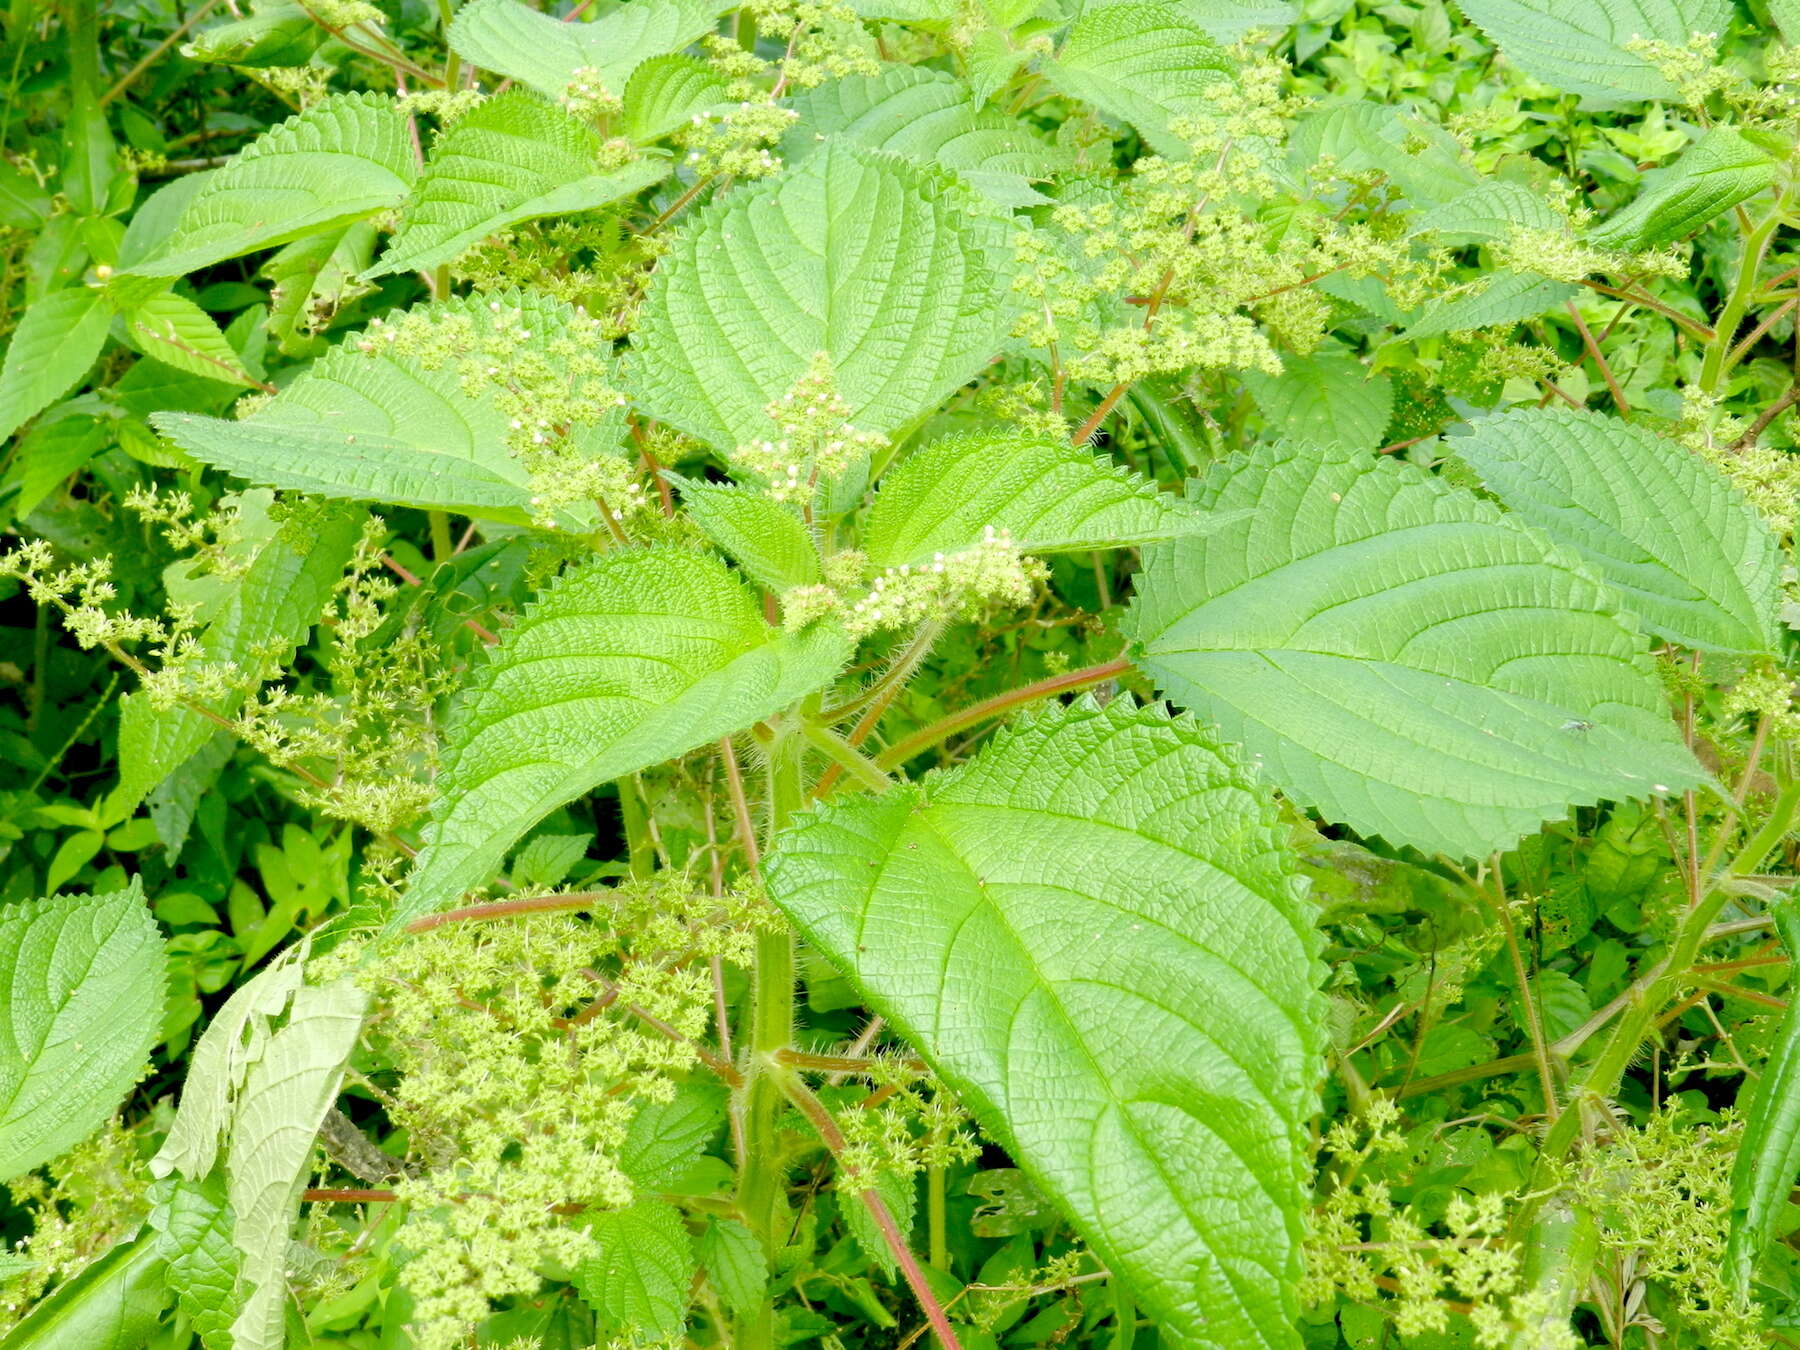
[(998, 706)]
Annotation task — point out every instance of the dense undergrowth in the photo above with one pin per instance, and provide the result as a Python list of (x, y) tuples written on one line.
[(1014, 672)]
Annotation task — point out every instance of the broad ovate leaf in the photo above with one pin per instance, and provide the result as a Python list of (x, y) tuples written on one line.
[(193, 1225), (550, 54), (1720, 170), (56, 341), (1328, 398), (260, 614), (372, 422), (1402, 656), (511, 159), (1094, 932), (81, 986), (897, 273), (1693, 560), (1582, 48), (767, 538), (1144, 64), (346, 157), (931, 118), (113, 1303), (667, 92), (1047, 495), (623, 663), (637, 1283)]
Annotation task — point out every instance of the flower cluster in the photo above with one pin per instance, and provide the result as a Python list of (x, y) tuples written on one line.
[(952, 587), (814, 441), (548, 371)]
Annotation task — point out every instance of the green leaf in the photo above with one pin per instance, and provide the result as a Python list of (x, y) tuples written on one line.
[(1580, 48), (1768, 1154), (193, 1226), (622, 663), (366, 424), (1094, 932), (1147, 64), (261, 1079), (894, 271), (1786, 14), (1694, 562), (1506, 298), (1361, 137), (1403, 657), (667, 92), (1329, 398), (513, 158), (342, 159), (735, 1264), (81, 981), (279, 34), (930, 118), (898, 1193), (314, 277), (289, 573), (113, 1304), (177, 332), (638, 1282), (665, 1139), (766, 538), (516, 41), (1488, 213), (1713, 175), (51, 349), (1051, 497)]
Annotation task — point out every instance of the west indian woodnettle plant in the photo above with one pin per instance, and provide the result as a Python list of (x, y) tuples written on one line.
[(1059, 686)]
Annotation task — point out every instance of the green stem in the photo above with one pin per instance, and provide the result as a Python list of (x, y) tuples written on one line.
[(640, 848), (937, 1227), (761, 1177), (452, 62), (1718, 352), (846, 756), (998, 706), (441, 545)]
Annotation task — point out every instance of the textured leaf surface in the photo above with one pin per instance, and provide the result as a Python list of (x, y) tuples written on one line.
[(1717, 172), (1402, 657), (287, 1089), (1693, 560), (1580, 48), (516, 41), (313, 277), (1051, 497), (267, 610), (931, 118), (639, 1280), (513, 158), (193, 1225), (1328, 398), (1146, 64), (81, 994), (174, 330), (735, 1264), (56, 341), (666, 92), (259, 1083), (1359, 136), (1506, 298), (623, 663), (373, 426), (766, 538), (1094, 932), (1488, 213), (1768, 1154), (891, 270), (347, 157)]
